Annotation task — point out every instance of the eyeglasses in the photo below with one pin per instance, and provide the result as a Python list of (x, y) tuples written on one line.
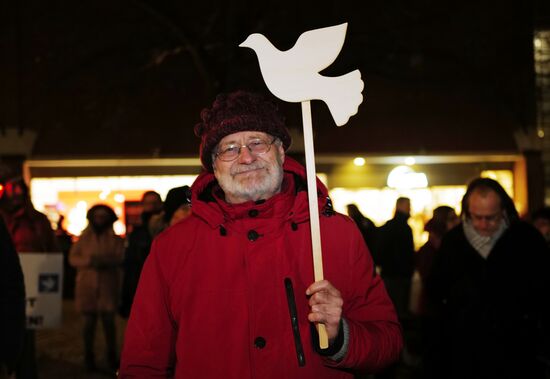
[(257, 146)]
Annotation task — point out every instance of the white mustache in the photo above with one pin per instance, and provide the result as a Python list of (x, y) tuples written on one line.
[(245, 168)]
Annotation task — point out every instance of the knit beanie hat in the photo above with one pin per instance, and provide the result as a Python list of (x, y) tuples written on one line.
[(237, 112)]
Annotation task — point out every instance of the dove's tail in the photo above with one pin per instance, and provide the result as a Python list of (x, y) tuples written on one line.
[(345, 96)]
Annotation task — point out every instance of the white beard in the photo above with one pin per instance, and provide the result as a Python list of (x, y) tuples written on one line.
[(263, 181)]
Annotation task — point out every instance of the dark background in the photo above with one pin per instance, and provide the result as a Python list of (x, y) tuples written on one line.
[(111, 78)]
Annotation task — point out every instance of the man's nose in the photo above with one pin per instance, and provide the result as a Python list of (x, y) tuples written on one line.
[(245, 156), (483, 224)]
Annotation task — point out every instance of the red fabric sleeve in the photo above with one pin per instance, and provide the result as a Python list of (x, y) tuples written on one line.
[(375, 338), (149, 343)]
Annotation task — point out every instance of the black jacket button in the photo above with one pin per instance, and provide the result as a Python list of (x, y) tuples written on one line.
[(259, 342), (253, 235), (253, 212)]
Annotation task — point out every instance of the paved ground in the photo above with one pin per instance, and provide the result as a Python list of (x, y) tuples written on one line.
[(60, 351)]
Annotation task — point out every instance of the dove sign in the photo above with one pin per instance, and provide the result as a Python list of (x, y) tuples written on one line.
[(293, 75)]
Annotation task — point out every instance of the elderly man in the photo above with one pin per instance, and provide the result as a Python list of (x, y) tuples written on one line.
[(228, 292), (489, 284)]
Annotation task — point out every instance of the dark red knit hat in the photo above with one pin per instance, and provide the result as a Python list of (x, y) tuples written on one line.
[(237, 112)]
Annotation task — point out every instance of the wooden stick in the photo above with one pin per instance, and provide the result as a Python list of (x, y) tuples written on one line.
[(313, 208)]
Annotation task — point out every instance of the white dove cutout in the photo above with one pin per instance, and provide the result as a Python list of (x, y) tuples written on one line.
[(293, 75)]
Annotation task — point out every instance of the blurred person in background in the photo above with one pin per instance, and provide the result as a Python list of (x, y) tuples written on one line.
[(138, 245), (444, 219), (447, 216), (12, 305), (65, 241), (541, 220), (176, 207), (365, 225), (395, 255), (30, 232), (489, 284), (97, 256)]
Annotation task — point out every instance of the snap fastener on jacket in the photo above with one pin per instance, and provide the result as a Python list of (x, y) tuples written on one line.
[(253, 212), (259, 342), (294, 226), (223, 231), (253, 235)]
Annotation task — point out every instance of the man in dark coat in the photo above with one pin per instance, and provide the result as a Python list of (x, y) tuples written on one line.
[(489, 284), (12, 303), (395, 256)]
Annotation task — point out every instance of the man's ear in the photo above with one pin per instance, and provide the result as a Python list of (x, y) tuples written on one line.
[(281, 152)]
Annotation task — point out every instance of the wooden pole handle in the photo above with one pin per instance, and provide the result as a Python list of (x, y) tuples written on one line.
[(313, 208)]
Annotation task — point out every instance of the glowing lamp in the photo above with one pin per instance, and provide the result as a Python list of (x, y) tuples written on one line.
[(359, 161), (404, 177)]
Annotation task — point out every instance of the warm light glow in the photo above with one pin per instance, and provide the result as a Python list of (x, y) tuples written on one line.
[(323, 178), (403, 177), (379, 205), (504, 177), (409, 161), (72, 197), (104, 194), (359, 161), (119, 227), (540, 133), (76, 220)]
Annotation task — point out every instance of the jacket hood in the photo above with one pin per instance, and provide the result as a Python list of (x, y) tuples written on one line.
[(207, 198)]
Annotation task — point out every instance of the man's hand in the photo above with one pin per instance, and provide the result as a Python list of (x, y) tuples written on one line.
[(326, 306)]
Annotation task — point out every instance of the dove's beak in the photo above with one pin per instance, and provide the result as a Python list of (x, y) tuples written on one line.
[(245, 43)]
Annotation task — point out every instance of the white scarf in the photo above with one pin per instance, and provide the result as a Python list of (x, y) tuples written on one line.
[(483, 244)]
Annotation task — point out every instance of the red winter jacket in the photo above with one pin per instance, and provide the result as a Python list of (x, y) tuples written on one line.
[(211, 301)]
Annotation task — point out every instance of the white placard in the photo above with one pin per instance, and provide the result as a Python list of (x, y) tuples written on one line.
[(43, 287)]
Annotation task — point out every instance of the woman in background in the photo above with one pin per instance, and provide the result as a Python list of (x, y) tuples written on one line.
[(97, 257)]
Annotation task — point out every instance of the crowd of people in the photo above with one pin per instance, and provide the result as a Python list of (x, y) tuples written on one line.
[(225, 288), (482, 310), (101, 269)]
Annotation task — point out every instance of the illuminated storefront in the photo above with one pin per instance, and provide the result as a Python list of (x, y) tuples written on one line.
[(69, 188)]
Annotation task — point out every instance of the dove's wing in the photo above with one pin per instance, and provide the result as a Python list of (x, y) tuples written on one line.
[(319, 47)]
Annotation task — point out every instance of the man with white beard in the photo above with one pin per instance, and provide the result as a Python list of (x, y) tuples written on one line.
[(228, 292)]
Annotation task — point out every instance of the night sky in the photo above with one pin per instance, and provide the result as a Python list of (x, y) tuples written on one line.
[(129, 78)]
